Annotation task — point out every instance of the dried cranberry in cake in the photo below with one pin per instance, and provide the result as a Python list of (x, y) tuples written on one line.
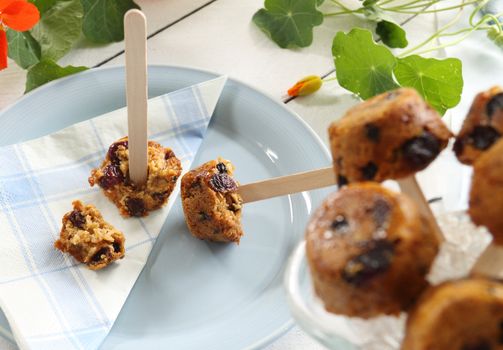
[(135, 206), (374, 260), (342, 181), (133, 199), (381, 212), (112, 175), (495, 105), (463, 314), (369, 250), (221, 168), (482, 127), (419, 151), (160, 196), (482, 137), (169, 154), (118, 246), (369, 171), (77, 219), (211, 204), (387, 138), (87, 237), (102, 255), (114, 148), (372, 132), (340, 224)]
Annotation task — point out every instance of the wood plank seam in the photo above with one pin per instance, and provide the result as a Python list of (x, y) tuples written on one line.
[(160, 30)]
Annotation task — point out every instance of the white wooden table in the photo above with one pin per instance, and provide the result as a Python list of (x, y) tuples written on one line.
[(218, 35)]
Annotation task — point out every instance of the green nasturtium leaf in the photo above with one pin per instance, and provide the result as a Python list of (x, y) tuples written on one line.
[(440, 82), (319, 2), (58, 29), (43, 5), (47, 70), (23, 48), (368, 3), (391, 34), (104, 19), (362, 66), (289, 22)]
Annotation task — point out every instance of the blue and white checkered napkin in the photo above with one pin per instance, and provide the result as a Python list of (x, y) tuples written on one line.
[(52, 302)]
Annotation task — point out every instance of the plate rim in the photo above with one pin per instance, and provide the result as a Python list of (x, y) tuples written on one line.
[(98, 70), (285, 327)]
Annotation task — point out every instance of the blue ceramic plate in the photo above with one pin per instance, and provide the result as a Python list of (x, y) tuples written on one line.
[(194, 294)]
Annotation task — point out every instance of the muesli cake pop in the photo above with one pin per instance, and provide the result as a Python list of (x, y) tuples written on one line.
[(369, 250), (482, 127), (211, 204), (389, 136), (112, 176), (486, 194), (457, 315), (89, 238)]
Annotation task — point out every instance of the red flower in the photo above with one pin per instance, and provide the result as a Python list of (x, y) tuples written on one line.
[(18, 15)]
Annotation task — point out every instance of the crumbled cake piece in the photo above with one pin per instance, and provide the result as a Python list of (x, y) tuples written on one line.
[(369, 250), (457, 315), (482, 127), (112, 176), (88, 238), (389, 136), (211, 204)]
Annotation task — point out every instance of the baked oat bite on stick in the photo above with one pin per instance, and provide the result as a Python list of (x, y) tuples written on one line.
[(112, 176), (211, 204)]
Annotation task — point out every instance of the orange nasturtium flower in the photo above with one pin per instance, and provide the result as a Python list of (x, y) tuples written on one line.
[(18, 15), (305, 86)]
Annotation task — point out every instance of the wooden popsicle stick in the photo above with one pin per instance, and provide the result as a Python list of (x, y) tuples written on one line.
[(135, 30), (490, 263), (324, 177), (411, 188), (284, 185)]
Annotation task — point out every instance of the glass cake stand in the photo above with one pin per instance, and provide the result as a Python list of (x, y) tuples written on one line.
[(463, 245)]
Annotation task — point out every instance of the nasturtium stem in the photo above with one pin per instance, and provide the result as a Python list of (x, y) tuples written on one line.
[(336, 2), (495, 19), (420, 5), (452, 43), (434, 36), (432, 11), (341, 13), (461, 31), (480, 25), (329, 79), (380, 3), (481, 4)]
